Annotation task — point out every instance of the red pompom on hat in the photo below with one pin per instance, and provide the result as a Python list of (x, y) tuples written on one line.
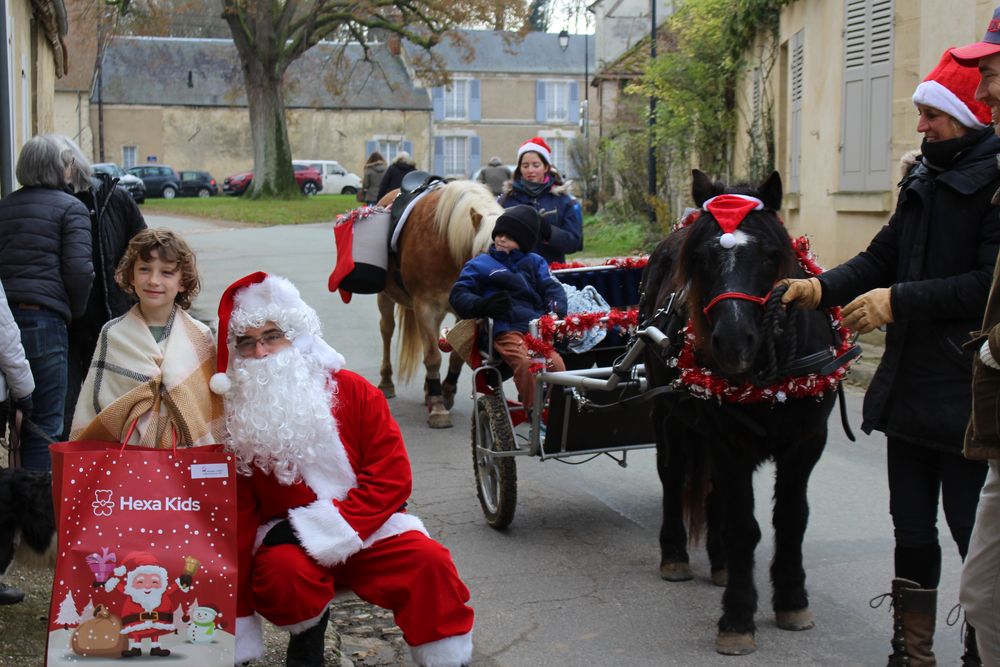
[(256, 299), (951, 88), (535, 145)]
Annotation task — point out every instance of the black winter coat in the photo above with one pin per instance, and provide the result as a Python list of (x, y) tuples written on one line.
[(393, 177), (45, 251), (937, 253), (114, 220)]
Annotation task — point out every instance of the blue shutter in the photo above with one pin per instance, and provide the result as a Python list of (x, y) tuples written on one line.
[(540, 101), (370, 147), (475, 155), (574, 102), (437, 101), (439, 155), (408, 147), (475, 108)]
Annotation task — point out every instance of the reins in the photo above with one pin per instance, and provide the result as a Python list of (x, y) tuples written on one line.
[(778, 325)]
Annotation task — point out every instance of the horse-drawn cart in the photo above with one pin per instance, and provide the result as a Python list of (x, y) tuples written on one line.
[(598, 406)]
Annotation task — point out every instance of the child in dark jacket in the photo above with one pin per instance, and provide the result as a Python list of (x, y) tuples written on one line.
[(513, 286)]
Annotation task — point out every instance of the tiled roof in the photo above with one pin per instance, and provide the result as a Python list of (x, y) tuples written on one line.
[(500, 52), (171, 71)]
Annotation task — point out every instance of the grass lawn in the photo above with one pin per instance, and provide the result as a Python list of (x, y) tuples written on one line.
[(320, 208), (601, 238)]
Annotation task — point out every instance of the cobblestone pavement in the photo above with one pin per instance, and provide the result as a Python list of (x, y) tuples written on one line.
[(367, 636)]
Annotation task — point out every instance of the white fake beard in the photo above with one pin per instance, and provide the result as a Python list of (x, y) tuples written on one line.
[(149, 599), (279, 414)]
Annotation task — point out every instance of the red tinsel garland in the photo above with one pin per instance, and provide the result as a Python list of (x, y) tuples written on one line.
[(549, 329), (619, 262), (354, 215), (700, 382)]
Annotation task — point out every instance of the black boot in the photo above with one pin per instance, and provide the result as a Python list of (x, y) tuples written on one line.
[(970, 658), (10, 594), (305, 649)]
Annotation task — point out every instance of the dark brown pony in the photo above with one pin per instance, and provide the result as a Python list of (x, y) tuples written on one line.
[(445, 229), (707, 449)]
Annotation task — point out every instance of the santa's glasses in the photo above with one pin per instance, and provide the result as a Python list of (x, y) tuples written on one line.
[(247, 345)]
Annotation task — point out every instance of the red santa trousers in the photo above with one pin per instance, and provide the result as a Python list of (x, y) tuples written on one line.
[(409, 574)]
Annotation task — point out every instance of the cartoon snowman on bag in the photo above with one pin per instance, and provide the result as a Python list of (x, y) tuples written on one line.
[(204, 623)]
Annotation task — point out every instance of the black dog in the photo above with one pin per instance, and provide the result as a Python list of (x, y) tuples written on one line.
[(26, 513)]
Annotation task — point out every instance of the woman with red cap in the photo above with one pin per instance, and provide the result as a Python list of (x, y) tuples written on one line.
[(538, 185), (925, 277)]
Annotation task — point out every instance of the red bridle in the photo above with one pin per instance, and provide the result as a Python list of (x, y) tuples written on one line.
[(759, 300)]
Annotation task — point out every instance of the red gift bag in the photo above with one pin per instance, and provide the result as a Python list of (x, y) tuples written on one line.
[(147, 552)]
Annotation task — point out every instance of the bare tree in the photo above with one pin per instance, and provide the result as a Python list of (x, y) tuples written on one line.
[(271, 34)]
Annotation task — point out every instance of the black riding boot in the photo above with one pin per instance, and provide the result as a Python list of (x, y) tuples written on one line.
[(305, 649), (10, 594), (970, 658)]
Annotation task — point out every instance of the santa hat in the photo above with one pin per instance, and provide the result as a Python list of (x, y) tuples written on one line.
[(729, 211), (535, 145), (256, 299), (951, 88), (137, 562)]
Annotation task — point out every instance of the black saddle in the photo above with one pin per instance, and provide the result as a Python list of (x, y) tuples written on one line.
[(414, 184)]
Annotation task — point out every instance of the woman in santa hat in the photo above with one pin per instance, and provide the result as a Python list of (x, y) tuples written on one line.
[(537, 184), (925, 278)]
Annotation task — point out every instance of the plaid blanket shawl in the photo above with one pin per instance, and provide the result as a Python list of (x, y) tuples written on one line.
[(162, 384)]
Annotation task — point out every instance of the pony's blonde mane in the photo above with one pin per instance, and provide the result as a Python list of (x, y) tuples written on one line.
[(453, 218)]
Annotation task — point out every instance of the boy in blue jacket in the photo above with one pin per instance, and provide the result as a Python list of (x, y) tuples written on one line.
[(513, 286)]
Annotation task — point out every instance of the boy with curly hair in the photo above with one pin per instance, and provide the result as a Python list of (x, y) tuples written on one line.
[(152, 365)]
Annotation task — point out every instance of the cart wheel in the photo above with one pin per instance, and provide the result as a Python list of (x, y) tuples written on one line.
[(496, 478)]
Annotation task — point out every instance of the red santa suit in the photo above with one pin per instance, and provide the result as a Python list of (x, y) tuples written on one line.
[(138, 621), (348, 514)]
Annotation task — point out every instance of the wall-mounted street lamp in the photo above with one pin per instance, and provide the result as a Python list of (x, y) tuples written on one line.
[(564, 39)]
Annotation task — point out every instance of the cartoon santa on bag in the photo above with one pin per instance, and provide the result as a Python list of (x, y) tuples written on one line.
[(147, 612)]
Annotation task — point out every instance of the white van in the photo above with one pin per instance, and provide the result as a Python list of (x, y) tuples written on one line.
[(336, 179)]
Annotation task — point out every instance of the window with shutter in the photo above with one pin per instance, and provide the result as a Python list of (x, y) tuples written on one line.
[(128, 156), (867, 96), (797, 62), (556, 101), (456, 156), (456, 100)]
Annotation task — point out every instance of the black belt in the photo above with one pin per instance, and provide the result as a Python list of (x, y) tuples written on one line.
[(165, 617)]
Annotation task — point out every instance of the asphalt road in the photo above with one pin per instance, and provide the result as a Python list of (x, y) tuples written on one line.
[(574, 580)]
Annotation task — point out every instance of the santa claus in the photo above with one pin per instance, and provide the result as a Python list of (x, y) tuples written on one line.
[(147, 613), (324, 479)]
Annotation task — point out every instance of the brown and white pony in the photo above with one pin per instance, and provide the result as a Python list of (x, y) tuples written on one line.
[(445, 229)]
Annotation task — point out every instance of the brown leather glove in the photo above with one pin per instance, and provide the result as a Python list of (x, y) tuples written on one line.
[(869, 311), (803, 292)]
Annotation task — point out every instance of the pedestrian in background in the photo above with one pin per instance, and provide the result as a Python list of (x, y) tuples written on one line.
[(925, 277), (393, 178), (495, 175), (47, 269), (538, 185), (374, 172), (114, 220), (979, 592)]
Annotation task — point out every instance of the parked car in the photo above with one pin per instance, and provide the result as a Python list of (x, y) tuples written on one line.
[(335, 177), (132, 184), (197, 184), (160, 180), (309, 179)]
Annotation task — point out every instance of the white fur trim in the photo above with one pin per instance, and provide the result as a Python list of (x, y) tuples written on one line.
[(220, 383), (147, 625), (533, 148), (324, 533), (296, 628), (120, 571), (397, 524), (934, 94), (311, 345), (249, 639), (332, 476), (986, 356), (448, 652)]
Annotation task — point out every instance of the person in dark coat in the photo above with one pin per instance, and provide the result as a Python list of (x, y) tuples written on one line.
[(538, 185), (495, 175), (925, 277), (47, 270), (372, 181), (114, 220), (393, 178), (513, 287)]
